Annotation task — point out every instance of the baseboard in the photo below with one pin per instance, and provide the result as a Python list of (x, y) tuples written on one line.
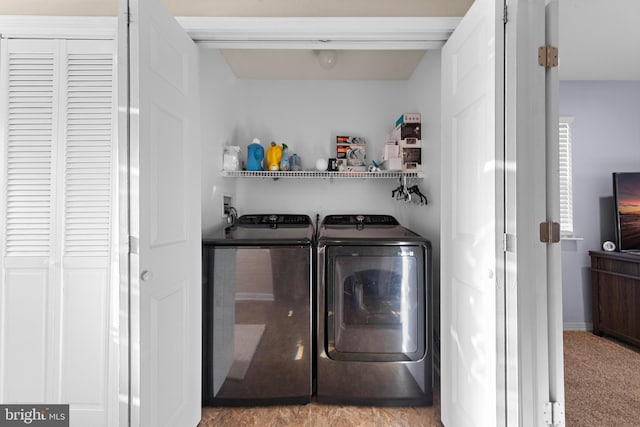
[(578, 326)]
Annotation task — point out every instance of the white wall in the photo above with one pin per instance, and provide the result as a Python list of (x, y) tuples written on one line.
[(424, 96), (606, 139), (307, 116), (218, 106)]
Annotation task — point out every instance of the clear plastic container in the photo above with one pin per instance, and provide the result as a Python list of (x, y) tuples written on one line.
[(231, 158), (295, 164)]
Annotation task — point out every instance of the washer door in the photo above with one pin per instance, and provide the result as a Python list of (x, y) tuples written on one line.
[(375, 303)]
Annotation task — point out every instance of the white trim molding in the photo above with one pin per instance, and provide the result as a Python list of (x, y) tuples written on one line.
[(404, 33), (58, 27), (578, 326), (320, 33)]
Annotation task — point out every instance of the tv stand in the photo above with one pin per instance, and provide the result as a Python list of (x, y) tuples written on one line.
[(615, 286)]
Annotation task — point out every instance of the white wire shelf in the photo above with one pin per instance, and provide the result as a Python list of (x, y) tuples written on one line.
[(318, 174)]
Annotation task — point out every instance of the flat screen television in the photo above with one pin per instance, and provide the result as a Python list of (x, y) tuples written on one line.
[(626, 195)]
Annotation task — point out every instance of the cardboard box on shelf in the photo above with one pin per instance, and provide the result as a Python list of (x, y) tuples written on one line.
[(411, 158), (391, 151), (411, 166), (352, 149), (407, 130), (409, 118), (394, 164), (410, 143)]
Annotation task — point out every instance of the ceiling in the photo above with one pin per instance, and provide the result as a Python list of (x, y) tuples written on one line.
[(599, 39), (306, 65), (247, 7), (289, 63)]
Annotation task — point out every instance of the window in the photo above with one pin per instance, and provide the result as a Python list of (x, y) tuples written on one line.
[(566, 186)]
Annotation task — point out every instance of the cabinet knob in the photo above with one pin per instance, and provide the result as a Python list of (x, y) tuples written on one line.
[(146, 275)]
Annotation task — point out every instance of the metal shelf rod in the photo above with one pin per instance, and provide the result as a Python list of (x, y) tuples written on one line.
[(320, 174)]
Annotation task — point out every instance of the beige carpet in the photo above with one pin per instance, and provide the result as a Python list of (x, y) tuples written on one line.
[(602, 382)]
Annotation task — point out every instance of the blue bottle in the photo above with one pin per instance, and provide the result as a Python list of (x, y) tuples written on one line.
[(255, 156)]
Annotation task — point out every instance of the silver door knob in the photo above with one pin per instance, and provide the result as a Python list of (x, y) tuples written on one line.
[(146, 275)]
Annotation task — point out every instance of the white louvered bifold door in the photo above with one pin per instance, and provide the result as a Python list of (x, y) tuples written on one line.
[(87, 193), (28, 288), (58, 213)]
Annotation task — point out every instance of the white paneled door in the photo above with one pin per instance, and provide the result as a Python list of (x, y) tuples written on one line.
[(472, 273), (57, 221), (164, 201)]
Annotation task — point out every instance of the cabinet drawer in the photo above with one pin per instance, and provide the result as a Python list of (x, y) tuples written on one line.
[(609, 265)]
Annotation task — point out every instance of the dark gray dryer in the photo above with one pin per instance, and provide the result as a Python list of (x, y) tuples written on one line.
[(257, 339), (374, 313)]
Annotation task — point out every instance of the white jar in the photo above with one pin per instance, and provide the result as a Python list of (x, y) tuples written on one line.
[(231, 158)]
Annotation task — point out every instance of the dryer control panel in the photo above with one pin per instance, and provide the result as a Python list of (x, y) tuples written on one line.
[(359, 220), (274, 220)]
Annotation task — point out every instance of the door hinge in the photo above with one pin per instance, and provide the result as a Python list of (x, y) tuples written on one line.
[(548, 56), (134, 245), (553, 414), (549, 232), (507, 242)]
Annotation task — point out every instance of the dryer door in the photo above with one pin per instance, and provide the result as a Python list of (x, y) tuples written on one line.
[(376, 303)]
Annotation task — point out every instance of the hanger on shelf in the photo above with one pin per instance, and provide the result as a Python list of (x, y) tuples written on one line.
[(410, 193), (421, 199)]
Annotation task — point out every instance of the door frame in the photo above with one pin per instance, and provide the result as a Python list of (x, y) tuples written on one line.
[(524, 389), (528, 301), (320, 32), (124, 244), (423, 33)]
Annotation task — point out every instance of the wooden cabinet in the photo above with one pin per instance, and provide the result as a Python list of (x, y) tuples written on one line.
[(615, 285)]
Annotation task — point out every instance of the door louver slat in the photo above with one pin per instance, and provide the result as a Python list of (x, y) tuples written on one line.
[(29, 154), (88, 160)]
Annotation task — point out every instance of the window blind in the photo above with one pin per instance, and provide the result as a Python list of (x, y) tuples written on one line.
[(566, 185)]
